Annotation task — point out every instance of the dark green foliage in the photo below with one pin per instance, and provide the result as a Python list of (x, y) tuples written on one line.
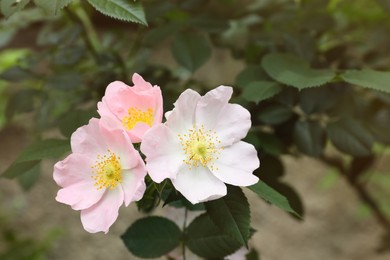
[(152, 237), (206, 240), (231, 214)]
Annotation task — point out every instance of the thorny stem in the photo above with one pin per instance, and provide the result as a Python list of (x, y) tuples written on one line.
[(184, 232), (359, 188)]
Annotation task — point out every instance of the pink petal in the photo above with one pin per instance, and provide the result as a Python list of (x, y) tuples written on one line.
[(236, 164), (80, 195), (133, 183), (163, 152), (73, 169), (181, 119), (103, 214), (119, 143), (231, 121), (140, 83), (198, 184), (87, 139)]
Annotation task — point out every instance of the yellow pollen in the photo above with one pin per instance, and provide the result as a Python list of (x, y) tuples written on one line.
[(135, 116), (107, 171), (200, 147)]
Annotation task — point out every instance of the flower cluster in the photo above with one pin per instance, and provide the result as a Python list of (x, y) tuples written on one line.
[(198, 148)]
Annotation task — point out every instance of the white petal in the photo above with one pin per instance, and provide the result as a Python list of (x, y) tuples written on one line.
[(198, 184), (236, 164), (133, 183), (103, 214), (182, 116), (231, 122), (163, 151)]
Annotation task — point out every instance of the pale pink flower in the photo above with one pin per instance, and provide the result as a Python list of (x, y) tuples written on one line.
[(135, 109), (102, 172), (199, 146)]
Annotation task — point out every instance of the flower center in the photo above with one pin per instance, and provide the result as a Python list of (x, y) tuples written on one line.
[(199, 146), (135, 116), (107, 171)]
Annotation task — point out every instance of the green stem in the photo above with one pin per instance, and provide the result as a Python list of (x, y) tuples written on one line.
[(184, 232), (78, 15)]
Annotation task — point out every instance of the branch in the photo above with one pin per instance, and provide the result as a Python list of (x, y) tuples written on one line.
[(359, 188)]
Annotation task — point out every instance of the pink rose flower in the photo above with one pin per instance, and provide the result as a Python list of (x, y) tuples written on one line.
[(199, 146), (135, 109), (102, 172)]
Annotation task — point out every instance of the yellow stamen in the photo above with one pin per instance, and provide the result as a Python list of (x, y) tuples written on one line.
[(107, 171), (199, 146), (135, 116)]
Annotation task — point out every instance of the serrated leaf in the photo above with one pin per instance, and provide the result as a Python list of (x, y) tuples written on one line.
[(378, 80), (249, 74), (231, 214), (18, 169), (260, 90), (9, 7), (272, 196), (191, 50), (290, 70), (350, 136), (52, 6), (121, 9), (152, 237), (206, 240), (49, 148), (309, 137)]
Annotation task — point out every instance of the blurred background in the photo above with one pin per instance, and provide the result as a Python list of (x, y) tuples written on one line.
[(323, 141)]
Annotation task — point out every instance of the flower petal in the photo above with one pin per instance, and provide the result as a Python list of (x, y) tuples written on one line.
[(73, 169), (231, 121), (198, 184), (140, 83), (103, 214), (236, 164), (119, 142), (80, 195), (163, 151), (87, 139), (133, 183), (182, 116)]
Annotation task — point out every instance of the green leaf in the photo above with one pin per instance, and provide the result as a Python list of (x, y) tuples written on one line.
[(30, 177), (250, 74), (121, 9), (271, 144), (350, 136), (206, 240), (49, 148), (309, 137), (52, 6), (9, 7), (275, 114), (74, 119), (231, 214), (378, 80), (260, 90), (191, 50), (65, 81), (272, 196), (292, 71), (152, 237), (21, 102), (18, 169)]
